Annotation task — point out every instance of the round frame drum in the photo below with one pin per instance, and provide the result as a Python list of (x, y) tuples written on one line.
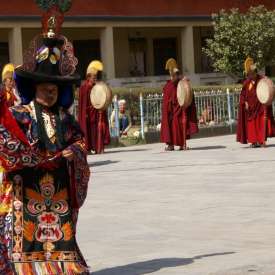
[(101, 96), (265, 91), (184, 93)]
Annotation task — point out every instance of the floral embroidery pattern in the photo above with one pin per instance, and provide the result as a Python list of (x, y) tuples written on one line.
[(18, 218)]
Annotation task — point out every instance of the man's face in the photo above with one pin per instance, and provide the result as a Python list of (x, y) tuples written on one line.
[(122, 107), (46, 94), (176, 78), (252, 75), (9, 83), (92, 78)]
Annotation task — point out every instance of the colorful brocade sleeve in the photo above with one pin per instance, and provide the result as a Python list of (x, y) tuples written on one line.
[(80, 174), (15, 151), (79, 168), (14, 154)]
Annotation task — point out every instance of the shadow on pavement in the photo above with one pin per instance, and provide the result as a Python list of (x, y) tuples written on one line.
[(102, 163), (203, 148), (270, 145), (187, 165), (207, 148), (259, 147), (147, 267)]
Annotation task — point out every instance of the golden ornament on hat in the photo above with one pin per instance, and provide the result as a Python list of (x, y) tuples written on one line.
[(53, 59), (43, 55), (57, 53)]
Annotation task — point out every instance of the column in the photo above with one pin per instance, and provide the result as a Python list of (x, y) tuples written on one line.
[(150, 57), (15, 46), (107, 51), (187, 50)]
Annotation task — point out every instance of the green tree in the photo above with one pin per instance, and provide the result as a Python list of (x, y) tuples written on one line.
[(238, 35)]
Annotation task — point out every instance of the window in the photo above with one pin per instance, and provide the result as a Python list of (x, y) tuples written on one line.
[(138, 48), (86, 51), (164, 48), (4, 54)]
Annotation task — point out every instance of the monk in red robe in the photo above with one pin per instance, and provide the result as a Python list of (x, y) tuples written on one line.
[(8, 90), (255, 121), (177, 125), (94, 123)]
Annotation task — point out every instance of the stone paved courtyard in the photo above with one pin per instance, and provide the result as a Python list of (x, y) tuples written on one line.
[(210, 210)]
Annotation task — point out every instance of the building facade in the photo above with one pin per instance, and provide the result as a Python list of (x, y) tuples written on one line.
[(132, 38)]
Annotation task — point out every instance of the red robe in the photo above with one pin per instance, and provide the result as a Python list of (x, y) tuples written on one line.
[(166, 133), (8, 121), (10, 98), (94, 123), (253, 127), (191, 124), (173, 116)]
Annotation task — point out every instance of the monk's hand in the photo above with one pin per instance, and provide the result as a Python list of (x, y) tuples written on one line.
[(68, 154), (246, 105)]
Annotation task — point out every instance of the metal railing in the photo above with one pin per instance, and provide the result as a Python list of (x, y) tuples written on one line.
[(152, 110), (217, 107), (214, 108)]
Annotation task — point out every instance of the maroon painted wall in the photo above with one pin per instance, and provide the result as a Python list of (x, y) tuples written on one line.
[(135, 7)]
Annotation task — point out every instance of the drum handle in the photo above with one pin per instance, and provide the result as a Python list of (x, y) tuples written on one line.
[(265, 122), (100, 143), (184, 121)]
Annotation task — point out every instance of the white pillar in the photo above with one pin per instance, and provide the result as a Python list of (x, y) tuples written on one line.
[(107, 51), (16, 46), (187, 49)]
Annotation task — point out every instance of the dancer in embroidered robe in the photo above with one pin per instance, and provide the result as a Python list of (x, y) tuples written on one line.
[(44, 174)]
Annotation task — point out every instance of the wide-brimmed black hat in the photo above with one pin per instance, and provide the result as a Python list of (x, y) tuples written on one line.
[(49, 58), (52, 61)]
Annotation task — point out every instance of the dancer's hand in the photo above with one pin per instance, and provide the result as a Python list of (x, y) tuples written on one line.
[(68, 154)]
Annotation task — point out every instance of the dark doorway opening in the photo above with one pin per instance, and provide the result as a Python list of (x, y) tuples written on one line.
[(138, 48), (86, 51), (4, 54), (164, 48)]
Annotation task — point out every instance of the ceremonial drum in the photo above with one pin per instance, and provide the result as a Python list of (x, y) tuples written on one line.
[(265, 91), (184, 93), (101, 96)]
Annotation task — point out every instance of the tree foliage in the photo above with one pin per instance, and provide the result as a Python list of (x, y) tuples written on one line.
[(238, 35)]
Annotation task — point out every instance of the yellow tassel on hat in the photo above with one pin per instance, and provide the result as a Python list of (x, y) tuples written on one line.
[(249, 65), (95, 67), (171, 66), (8, 71)]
